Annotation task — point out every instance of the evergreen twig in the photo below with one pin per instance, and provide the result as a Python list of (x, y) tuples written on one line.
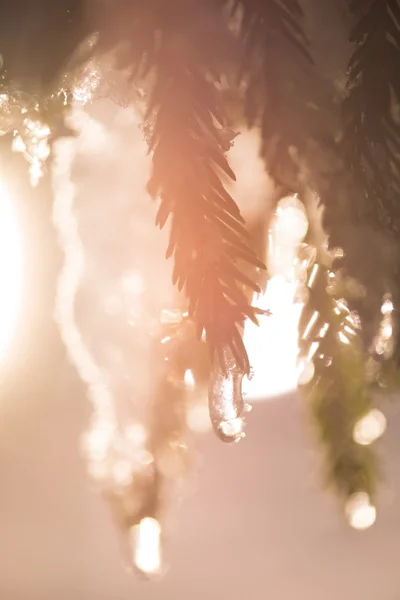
[(338, 394), (275, 68), (174, 45), (371, 143)]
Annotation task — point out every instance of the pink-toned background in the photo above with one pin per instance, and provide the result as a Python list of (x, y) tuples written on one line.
[(254, 525)]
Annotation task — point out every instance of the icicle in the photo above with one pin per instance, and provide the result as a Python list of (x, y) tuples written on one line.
[(145, 541), (138, 509), (225, 398), (383, 344)]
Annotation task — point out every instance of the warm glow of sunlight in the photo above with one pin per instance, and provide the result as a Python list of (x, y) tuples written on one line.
[(10, 269), (273, 346)]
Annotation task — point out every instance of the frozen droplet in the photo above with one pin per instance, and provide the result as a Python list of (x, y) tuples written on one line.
[(225, 398), (387, 305), (145, 541), (232, 429), (387, 331), (360, 512), (370, 428)]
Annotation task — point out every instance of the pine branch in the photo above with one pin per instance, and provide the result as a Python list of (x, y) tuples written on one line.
[(338, 395), (179, 45), (370, 148), (280, 95), (371, 143), (207, 231), (338, 401)]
